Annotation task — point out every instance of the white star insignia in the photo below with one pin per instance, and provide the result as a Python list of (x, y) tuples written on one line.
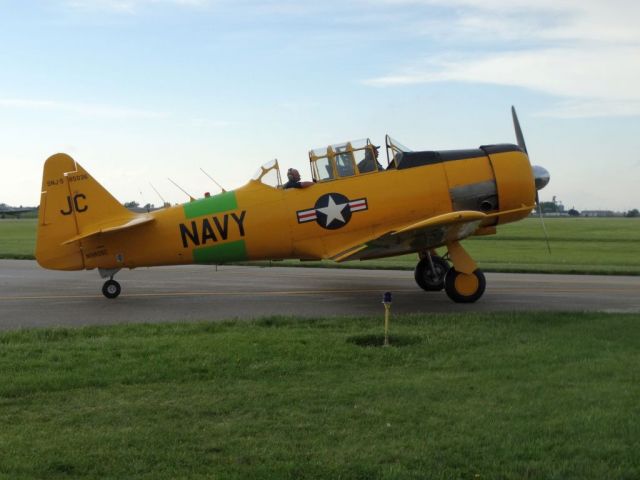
[(333, 211)]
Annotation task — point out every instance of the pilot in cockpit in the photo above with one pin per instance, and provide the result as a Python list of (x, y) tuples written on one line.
[(370, 161), (294, 180)]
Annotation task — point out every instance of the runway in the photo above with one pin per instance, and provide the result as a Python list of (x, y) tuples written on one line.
[(33, 297)]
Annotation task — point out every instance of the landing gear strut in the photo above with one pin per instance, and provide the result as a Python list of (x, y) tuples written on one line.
[(463, 283)]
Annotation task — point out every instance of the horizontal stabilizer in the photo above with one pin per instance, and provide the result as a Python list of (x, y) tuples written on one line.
[(112, 226)]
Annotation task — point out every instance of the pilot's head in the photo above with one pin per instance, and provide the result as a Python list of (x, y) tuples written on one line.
[(293, 174)]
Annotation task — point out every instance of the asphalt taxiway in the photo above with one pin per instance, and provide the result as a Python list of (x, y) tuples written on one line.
[(33, 297)]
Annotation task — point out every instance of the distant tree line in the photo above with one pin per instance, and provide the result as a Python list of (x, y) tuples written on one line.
[(136, 206), (557, 208)]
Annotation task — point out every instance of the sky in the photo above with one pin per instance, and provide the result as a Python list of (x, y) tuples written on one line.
[(139, 91)]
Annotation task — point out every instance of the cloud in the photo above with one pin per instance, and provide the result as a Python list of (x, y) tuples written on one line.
[(613, 20), (90, 110), (573, 72), (586, 53), (593, 108)]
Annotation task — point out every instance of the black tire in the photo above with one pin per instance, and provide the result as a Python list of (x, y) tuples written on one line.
[(111, 289), (464, 288), (425, 277)]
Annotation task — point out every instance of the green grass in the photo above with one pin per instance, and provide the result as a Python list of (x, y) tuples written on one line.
[(465, 396), (17, 238), (578, 245)]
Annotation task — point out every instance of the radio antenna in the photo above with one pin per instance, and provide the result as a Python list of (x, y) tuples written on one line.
[(146, 205), (182, 189), (164, 202), (211, 178)]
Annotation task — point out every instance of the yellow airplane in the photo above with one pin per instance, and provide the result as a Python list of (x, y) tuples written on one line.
[(355, 209)]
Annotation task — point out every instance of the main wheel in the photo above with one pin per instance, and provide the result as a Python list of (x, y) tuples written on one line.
[(427, 278), (111, 289), (464, 287)]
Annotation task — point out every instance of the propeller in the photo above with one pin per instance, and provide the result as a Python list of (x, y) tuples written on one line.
[(516, 126), (541, 175)]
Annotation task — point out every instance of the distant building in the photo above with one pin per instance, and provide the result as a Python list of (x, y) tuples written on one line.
[(598, 213)]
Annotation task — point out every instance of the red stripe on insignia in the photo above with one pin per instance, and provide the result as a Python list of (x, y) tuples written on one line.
[(357, 205), (306, 216)]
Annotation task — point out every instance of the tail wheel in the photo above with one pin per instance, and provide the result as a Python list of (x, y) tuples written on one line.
[(431, 279), (464, 287), (111, 289)]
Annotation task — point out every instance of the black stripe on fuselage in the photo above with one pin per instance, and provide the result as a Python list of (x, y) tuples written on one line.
[(418, 159)]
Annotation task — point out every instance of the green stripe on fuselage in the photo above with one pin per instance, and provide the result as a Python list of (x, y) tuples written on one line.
[(211, 205), (226, 252)]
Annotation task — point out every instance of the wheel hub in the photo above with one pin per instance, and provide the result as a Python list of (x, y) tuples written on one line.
[(466, 284)]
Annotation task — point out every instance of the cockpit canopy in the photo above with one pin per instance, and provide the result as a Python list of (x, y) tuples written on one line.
[(394, 151), (352, 158), (269, 174), (340, 160), (343, 160)]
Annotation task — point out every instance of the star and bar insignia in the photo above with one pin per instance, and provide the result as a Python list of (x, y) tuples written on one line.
[(332, 210)]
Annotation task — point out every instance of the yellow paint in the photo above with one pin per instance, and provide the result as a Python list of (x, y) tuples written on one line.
[(462, 261), (81, 226), (467, 171), (387, 314), (515, 184), (445, 219), (466, 284)]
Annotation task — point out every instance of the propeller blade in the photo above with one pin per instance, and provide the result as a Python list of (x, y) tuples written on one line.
[(541, 176), (544, 228), (516, 126)]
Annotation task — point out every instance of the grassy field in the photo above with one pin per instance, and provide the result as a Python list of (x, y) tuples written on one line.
[(455, 396), (578, 245), (17, 238)]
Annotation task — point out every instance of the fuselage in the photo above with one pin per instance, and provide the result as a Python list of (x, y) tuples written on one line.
[(257, 221)]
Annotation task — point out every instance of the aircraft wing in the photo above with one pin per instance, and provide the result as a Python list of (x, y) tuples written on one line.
[(430, 233), (111, 226), (424, 235)]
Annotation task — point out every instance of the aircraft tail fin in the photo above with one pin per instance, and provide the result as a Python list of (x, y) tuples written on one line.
[(72, 203)]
